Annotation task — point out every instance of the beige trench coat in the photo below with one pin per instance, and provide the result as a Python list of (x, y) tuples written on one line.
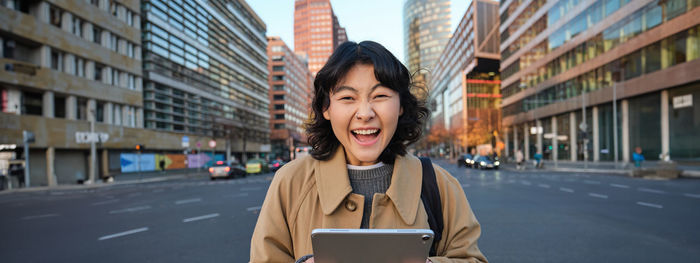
[(307, 194)]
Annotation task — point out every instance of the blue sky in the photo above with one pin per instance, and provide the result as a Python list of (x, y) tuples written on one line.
[(377, 20)]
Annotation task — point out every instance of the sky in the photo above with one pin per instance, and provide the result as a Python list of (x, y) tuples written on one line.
[(376, 20)]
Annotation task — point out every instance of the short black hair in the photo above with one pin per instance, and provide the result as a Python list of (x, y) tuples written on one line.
[(390, 73)]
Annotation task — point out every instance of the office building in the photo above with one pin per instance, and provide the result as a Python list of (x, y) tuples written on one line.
[(593, 80), (205, 73), (465, 85), (317, 31), (291, 90), (426, 26)]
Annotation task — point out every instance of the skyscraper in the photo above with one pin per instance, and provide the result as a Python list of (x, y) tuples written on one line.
[(317, 31), (593, 80), (206, 71), (426, 26), (291, 88)]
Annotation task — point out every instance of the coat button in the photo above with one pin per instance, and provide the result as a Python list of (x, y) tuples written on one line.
[(350, 205)]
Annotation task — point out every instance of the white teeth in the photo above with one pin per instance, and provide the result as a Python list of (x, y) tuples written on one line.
[(366, 132)]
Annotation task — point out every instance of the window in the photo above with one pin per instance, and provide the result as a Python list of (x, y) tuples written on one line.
[(79, 65), (277, 68), (278, 97), (130, 49), (77, 27), (98, 72), (132, 83), (55, 15), (99, 112), (279, 126), (278, 77), (59, 107), (279, 106), (81, 110), (279, 87), (129, 17), (32, 103), (96, 35), (113, 42), (56, 60), (279, 116)]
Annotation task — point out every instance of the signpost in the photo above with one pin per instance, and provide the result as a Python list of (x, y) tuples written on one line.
[(27, 138)]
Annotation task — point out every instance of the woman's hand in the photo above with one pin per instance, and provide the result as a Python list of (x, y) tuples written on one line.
[(310, 260)]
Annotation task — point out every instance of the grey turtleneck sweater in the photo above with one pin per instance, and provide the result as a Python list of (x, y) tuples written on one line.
[(368, 182)]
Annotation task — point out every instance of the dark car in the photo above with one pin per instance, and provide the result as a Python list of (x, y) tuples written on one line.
[(485, 162), (276, 165), (223, 169), (465, 160)]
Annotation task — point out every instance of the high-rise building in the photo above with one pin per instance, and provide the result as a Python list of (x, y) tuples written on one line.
[(594, 80), (317, 31), (465, 84), (205, 71), (426, 26), (65, 65), (291, 85)]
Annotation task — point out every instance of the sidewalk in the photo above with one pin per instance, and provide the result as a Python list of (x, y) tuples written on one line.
[(119, 179), (622, 168)]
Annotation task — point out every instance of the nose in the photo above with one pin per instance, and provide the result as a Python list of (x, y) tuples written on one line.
[(365, 112)]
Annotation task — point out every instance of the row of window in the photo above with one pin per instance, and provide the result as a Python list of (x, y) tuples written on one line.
[(118, 10), (75, 65)]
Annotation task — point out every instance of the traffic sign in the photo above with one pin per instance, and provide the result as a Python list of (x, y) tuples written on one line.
[(212, 144), (583, 126), (185, 141)]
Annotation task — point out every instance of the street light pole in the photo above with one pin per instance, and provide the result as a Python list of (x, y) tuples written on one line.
[(93, 150)]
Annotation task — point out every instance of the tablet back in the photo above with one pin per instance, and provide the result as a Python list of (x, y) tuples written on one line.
[(371, 245)]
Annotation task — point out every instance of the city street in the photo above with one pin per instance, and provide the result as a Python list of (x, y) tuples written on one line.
[(526, 216)]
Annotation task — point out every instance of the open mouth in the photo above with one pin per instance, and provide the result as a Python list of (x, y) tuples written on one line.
[(366, 136)]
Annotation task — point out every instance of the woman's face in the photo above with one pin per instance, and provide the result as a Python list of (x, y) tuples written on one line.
[(364, 115)]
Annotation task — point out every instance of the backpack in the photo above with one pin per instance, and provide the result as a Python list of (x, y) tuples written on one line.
[(430, 195)]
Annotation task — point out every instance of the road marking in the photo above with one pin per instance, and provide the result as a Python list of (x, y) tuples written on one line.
[(692, 195), (38, 216), (591, 182), (106, 202), (187, 201), (598, 195), (465, 185), (651, 190), (650, 205), (254, 208), (237, 195), (133, 195), (620, 186), (543, 185), (568, 190), (251, 188), (132, 209), (570, 180), (525, 183), (200, 217), (133, 231), (158, 190)]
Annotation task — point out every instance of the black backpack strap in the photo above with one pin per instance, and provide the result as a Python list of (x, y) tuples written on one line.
[(430, 195)]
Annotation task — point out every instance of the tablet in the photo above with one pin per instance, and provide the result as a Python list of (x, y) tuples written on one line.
[(371, 245)]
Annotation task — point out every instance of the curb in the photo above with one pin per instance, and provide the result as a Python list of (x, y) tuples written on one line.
[(96, 185)]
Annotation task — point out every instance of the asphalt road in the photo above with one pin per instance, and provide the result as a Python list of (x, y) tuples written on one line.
[(530, 216)]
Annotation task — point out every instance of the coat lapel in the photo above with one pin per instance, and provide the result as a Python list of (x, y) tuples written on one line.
[(405, 187), (333, 182)]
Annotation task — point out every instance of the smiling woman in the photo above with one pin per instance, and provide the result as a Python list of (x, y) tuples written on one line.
[(359, 174)]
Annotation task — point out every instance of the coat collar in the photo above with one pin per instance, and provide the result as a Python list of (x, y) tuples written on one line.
[(334, 184)]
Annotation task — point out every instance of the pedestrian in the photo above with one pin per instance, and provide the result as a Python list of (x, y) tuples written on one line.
[(364, 117), (538, 160), (637, 157), (161, 163), (519, 160)]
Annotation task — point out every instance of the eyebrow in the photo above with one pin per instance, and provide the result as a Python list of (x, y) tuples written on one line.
[(341, 88)]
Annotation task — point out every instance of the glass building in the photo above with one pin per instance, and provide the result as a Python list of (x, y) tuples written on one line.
[(205, 71), (426, 26), (465, 85), (581, 78), (317, 31)]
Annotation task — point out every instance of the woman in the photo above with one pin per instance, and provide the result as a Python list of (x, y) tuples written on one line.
[(359, 174)]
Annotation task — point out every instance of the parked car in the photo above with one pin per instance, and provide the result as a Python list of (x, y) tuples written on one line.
[(256, 166), (276, 165), (485, 162), (466, 160), (226, 169)]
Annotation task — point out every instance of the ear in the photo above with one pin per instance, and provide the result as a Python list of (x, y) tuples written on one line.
[(401, 111), (326, 115)]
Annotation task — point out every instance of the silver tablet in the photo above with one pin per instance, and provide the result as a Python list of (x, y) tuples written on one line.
[(371, 245)]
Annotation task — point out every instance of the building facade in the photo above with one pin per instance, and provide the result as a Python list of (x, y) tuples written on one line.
[(593, 80), (291, 88), (465, 85), (426, 26), (317, 31), (205, 73)]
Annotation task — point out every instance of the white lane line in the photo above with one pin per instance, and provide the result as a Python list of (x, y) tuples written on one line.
[(620, 186), (568, 190), (132, 209), (591, 182), (598, 195), (525, 183), (106, 202), (133, 231), (38, 216), (200, 217), (650, 205), (465, 185), (254, 208), (237, 195), (187, 201), (692, 195), (251, 188), (543, 185), (651, 190)]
